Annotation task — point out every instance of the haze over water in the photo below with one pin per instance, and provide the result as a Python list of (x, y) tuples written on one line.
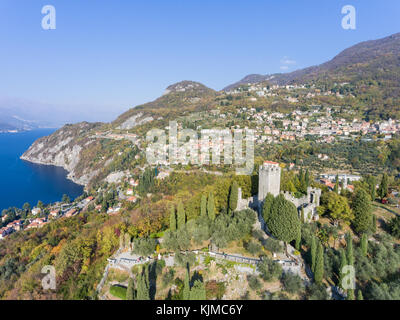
[(22, 181)]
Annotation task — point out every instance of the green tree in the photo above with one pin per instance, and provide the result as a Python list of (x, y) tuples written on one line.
[(371, 181), (292, 282), (40, 204), (313, 253), (336, 188), (172, 219), (394, 227), (26, 207), (143, 292), (269, 269), (360, 295), (283, 222), (349, 249), (65, 199), (373, 229), (268, 201), (233, 196), (186, 286), (198, 291), (350, 294), (211, 207), (181, 216), (319, 266), (307, 178), (343, 263), (337, 207), (364, 244), (362, 211), (383, 187), (203, 206), (130, 291)]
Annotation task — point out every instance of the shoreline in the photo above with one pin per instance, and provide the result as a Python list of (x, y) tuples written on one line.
[(68, 176)]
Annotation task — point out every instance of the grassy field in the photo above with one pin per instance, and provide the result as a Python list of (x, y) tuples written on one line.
[(118, 292)]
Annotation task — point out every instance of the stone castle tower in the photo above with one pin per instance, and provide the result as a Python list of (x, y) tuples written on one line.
[(269, 180)]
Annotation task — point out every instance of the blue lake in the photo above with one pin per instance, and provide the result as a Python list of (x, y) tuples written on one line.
[(21, 181)]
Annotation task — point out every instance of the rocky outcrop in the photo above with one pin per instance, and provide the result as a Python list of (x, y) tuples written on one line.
[(63, 149), (136, 120)]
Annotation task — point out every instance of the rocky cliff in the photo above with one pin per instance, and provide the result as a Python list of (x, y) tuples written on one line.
[(64, 149)]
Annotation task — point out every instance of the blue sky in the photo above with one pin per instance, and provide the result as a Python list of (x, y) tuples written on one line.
[(106, 56)]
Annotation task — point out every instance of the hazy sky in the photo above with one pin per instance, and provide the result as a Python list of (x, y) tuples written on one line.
[(106, 56)]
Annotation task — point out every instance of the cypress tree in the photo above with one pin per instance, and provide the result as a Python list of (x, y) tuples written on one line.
[(146, 283), (143, 288), (181, 216), (172, 219), (269, 199), (383, 187), (307, 178), (130, 291), (364, 244), (349, 250), (233, 196), (362, 211), (319, 267), (301, 176), (350, 294), (360, 295), (371, 186), (313, 253), (186, 286), (373, 224), (211, 207), (141, 295), (203, 206), (343, 263), (336, 188)]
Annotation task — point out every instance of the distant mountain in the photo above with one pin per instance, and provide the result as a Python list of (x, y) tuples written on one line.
[(14, 123), (189, 88), (375, 58)]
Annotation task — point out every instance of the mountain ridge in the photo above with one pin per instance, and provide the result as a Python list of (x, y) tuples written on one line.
[(358, 53)]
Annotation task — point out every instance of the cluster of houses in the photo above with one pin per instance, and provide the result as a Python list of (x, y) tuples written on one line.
[(323, 123), (303, 91), (329, 180), (18, 225), (56, 212)]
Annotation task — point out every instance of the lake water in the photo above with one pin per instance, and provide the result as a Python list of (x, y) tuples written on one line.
[(22, 181)]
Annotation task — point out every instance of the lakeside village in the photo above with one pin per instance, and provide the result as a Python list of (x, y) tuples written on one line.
[(269, 128), (42, 214)]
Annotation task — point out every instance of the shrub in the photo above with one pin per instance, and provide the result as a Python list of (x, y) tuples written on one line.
[(253, 247), (254, 283), (292, 282), (168, 276), (273, 245), (269, 269), (144, 246)]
